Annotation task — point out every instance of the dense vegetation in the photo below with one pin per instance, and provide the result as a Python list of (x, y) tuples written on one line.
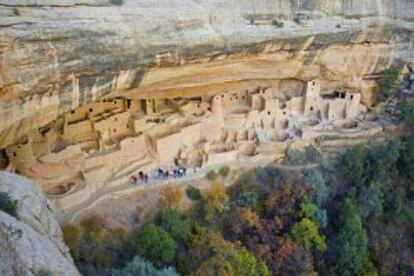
[(387, 83), (351, 218)]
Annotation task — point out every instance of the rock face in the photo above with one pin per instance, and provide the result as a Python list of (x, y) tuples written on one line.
[(33, 243), (56, 55)]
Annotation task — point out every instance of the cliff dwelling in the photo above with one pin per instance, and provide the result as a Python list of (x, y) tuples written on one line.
[(104, 143)]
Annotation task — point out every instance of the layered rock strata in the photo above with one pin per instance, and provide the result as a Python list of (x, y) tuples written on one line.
[(58, 55)]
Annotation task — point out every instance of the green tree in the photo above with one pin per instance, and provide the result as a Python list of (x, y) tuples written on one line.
[(246, 264), (387, 83), (370, 200), (8, 205), (406, 162), (406, 110), (313, 212), (351, 164), (381, 161), (156, 244), (305, 232), (139, 266), (319, 191), (351, 244), (171, 221)]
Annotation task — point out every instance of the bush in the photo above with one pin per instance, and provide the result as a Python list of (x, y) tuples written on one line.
[(406, 110), (117, 2), (156, 244), (193, 193), (8, 205), (140, 266), (295, 157), (212, 175), (277, 24), (387, 84), (93, 230), (224, 171), (72, 235), (247, 198), (170, 197)]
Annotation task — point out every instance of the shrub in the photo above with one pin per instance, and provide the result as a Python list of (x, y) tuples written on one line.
[(387, 83), (72, 235), (193, 193), (156, 244), (140, 266), (93, 230), (248, 198), (170, 197), (295, 157), (224, 171), (277, 24), (212, 175), (406, 110), (117, 2), (8, 205)]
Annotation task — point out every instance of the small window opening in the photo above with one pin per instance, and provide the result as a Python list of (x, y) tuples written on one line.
[(90, 109)]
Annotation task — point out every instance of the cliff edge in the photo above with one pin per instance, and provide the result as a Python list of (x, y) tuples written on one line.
[(32, 243)]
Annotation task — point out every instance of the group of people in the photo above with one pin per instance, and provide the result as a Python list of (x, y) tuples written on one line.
[(164, 174), (141, 176), (159, 174)]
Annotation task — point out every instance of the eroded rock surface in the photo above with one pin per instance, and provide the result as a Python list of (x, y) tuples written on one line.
[(32, 243), (57, 55)]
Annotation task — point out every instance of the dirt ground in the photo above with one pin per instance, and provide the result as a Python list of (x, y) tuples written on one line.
[(135, 209)]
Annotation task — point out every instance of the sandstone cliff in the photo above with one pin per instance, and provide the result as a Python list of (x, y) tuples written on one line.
[(56, 55), (33, 243)]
